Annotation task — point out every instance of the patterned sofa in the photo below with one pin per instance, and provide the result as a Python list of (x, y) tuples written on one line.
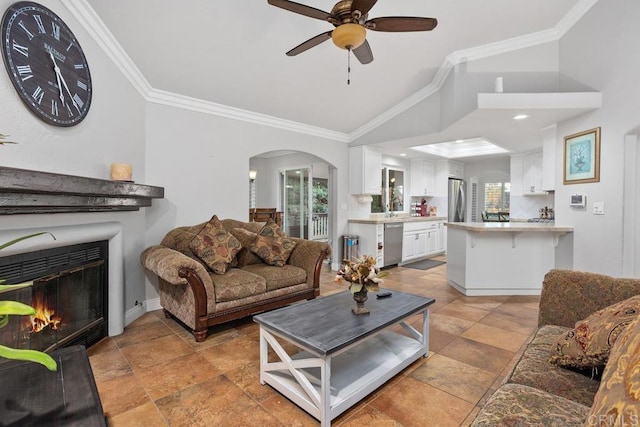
[(199, 294), (539, 393)]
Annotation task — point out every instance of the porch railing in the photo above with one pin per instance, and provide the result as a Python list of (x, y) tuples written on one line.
[(320, 226)]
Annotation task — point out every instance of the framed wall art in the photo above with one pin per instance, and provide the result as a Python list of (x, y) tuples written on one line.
[(582, 157)]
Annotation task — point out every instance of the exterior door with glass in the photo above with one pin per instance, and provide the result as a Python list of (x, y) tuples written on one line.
[(304, 204)]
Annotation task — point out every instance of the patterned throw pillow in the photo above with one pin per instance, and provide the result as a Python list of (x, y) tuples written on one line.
[(272, 245), (215, 246), (617, 402), (588, 345), (245, 256), (271, 229)]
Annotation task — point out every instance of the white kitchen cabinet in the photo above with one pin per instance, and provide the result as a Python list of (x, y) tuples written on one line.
[(415, 245), (420, 239), (445, 169), (408, 246), (431, 242), (456, 170), (422, 178), (441, 237), (371, 240), (365, 170), (379, 245), (532, 173)]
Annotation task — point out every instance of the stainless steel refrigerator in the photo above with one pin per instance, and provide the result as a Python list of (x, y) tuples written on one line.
[(457, 200)]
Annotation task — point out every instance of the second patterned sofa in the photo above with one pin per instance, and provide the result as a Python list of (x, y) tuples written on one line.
[(540, 393)]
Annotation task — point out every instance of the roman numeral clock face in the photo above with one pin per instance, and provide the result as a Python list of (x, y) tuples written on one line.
[(46, 64)]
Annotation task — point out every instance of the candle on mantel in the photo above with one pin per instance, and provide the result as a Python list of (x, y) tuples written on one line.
[(120, 172)]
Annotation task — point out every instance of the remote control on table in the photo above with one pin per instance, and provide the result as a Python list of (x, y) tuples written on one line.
[(383, 294)]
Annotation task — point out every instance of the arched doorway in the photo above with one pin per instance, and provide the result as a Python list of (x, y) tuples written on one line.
[(299, 186)]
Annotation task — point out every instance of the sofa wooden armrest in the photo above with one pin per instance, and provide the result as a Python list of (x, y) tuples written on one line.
[(569, 296)]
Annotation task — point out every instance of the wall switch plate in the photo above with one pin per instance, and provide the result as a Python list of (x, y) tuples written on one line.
[(598, 208)]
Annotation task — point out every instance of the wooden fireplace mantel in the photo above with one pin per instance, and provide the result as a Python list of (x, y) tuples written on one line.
[(25, 191)]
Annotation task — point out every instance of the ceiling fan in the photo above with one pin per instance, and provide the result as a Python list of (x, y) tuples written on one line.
[(350, 18)]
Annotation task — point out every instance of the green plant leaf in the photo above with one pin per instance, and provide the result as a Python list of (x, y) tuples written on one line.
[(28, 236), (4, 141), (4, 320), (9, 288), (29, 355), (17, 308), (355, 287)]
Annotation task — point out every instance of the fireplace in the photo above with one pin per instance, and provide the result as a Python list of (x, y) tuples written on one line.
[(69, 292)]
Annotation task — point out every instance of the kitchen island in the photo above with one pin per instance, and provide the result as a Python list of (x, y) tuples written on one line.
[(507, 258)]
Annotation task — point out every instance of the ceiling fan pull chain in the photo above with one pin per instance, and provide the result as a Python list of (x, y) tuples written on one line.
[(348, 65)]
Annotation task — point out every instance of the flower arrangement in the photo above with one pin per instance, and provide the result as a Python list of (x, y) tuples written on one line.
[(8, 308), (361, 273)]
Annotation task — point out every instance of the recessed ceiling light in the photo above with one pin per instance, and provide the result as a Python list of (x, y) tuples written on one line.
[(403, 154), (520, 117), (459, 140)]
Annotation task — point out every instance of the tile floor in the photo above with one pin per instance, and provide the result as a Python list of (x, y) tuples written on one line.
[(155, 373)]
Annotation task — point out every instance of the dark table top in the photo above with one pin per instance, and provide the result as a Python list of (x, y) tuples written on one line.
[(31, 395), (326, 325)]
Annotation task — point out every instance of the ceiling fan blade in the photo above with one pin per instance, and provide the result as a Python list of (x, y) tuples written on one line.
[(363, 53), (301, 9), (312, 42), (401, 24), (364, 6)]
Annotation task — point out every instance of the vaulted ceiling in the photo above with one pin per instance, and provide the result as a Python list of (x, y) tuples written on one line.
[(232, 53)]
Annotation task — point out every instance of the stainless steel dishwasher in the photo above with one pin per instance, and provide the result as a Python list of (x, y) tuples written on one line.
[(392, 243)]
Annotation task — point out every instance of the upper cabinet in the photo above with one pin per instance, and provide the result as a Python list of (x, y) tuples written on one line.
[(456, 170), (446, 169), (365, 166), (532, 173), (422, 178)]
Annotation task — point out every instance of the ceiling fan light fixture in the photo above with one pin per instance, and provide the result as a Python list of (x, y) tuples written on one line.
[(349, 36)]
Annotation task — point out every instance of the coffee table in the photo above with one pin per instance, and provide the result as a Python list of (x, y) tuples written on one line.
[(342, 357)]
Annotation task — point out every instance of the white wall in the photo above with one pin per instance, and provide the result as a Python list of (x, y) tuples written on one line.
[(202, 161), (113, 131), (601, 51)]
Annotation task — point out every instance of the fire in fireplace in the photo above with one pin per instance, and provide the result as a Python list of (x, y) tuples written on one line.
[(69, 294)]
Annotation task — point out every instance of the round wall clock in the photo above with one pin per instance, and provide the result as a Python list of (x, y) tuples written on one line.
[(46, 64)]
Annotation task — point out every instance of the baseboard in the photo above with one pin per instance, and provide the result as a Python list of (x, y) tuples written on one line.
[(140, 309), (133, 313), (152, 304)]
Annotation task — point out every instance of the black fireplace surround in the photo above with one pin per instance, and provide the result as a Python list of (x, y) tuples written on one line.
[(69, 293)]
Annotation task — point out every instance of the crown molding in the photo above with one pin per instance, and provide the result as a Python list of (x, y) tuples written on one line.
[(171, 99), (574, 15), (475, 53), (92, 23)]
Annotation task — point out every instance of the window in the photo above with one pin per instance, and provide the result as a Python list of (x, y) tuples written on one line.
[(496, 196), (392, 198)]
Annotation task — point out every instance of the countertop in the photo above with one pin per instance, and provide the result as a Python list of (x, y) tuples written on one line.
[(481, 227), (394, 219)]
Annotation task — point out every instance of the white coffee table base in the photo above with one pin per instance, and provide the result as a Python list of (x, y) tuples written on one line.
[(326, 386)]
